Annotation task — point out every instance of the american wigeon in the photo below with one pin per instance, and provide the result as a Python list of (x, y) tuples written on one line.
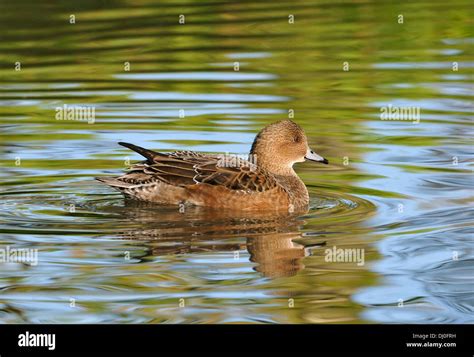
[(266, 181)]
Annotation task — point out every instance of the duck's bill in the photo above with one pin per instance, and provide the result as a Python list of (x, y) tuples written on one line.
[(312, 156)]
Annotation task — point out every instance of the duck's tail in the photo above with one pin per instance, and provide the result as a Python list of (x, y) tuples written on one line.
[(148, 154), (114, 182), (117, 182)]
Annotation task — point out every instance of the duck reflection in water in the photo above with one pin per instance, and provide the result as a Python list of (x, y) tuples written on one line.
[(270, 240)]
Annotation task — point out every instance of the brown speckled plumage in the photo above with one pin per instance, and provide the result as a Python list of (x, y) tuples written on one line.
[(186, 177)]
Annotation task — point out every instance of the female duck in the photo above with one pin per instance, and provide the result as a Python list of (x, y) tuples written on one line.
[(266, 182)]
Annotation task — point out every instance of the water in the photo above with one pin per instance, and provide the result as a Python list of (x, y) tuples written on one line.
[(399, 190)]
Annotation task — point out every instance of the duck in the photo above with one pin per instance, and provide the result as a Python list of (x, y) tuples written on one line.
[(265, 180)]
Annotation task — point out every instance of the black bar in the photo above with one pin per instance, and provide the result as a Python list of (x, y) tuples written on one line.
[(224, 339)]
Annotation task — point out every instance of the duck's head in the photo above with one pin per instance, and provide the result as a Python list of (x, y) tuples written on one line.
[(279, 145)]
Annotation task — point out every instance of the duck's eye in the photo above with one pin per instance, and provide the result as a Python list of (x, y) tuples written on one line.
[(296, 139)]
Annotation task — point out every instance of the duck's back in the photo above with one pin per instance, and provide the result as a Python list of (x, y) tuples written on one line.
[(187, 177)]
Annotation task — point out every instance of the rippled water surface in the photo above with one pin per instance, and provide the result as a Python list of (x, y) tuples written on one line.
[(399, 190)]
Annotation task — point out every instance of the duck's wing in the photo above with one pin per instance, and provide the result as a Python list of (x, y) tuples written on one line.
[(183, 168), (235, 174)]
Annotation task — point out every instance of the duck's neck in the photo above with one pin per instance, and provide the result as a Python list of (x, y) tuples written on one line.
[(270, 164), (291, 182), (278, 170), (296, 189)]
